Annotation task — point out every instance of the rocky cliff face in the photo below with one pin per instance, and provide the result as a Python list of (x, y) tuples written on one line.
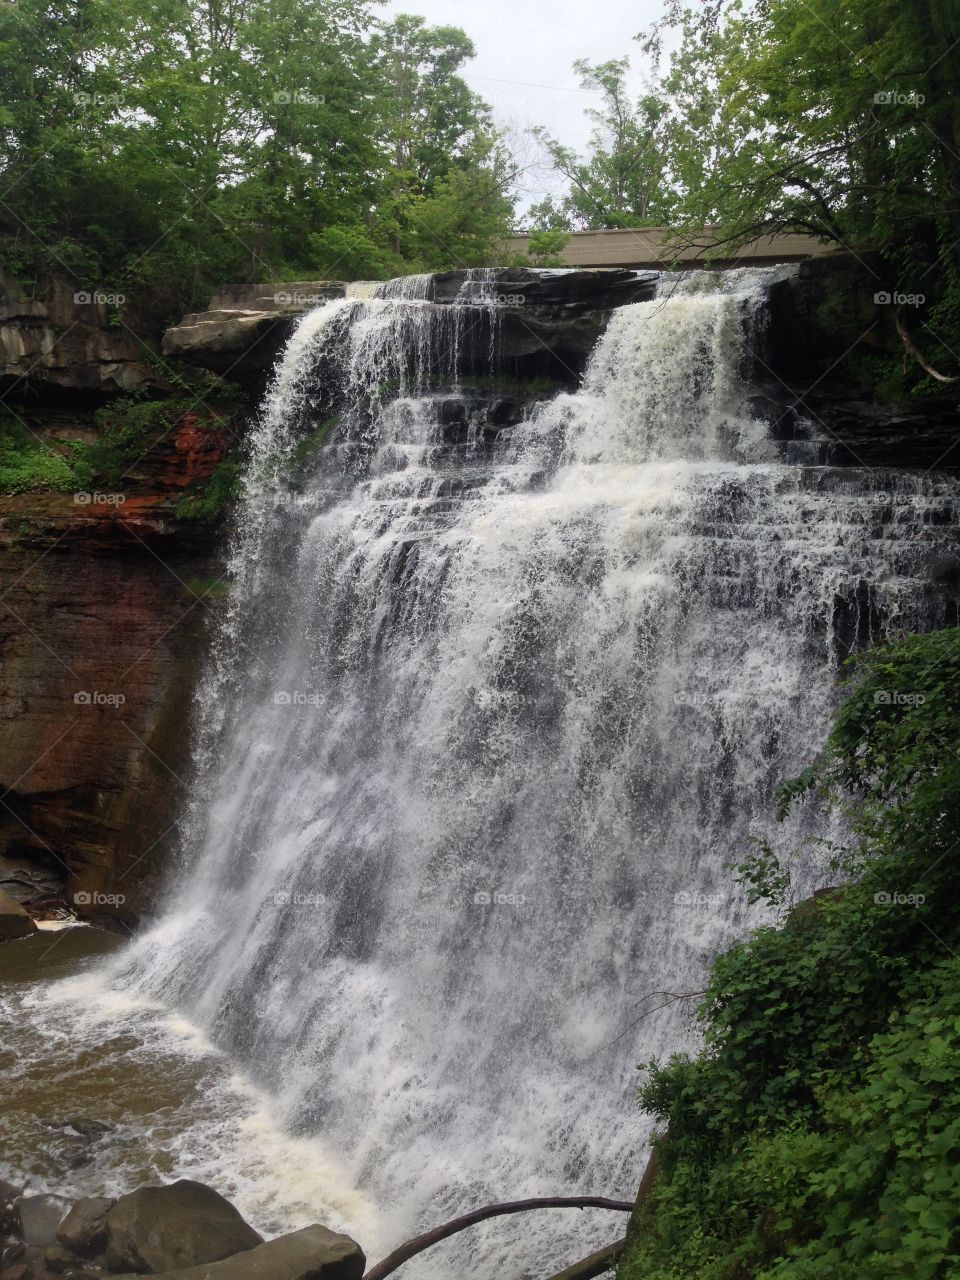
[(107, 597), (105, 600), (100, 656), (550, 320), (84, 344)]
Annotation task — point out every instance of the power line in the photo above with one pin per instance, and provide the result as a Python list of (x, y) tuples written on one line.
[(526, 84)]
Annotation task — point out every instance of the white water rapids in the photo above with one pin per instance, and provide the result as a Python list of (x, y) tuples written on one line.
[(487, 725)]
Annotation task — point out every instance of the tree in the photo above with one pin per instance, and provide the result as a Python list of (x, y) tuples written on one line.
[(447, 195), (842, 121), (622, 182), (162, 150)]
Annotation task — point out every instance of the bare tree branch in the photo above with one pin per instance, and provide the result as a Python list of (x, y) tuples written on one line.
[(417, 1245), (912, 351)]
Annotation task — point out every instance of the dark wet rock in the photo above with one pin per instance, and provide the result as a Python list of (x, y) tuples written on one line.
[(524, 286), (821, 400), (38, 1218), (559, 339), (58, 1259), (12, 1252), (8, 1214), (15, 921), (87, 1128), (26, 883), (35, 1259), (314, 1253), (18, 1271), (854, 432), (84, 1229), (184, 1224)]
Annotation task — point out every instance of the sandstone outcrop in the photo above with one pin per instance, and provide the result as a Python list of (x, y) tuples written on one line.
[(105, 600), (60, 339), (246, 326), (15, 922)]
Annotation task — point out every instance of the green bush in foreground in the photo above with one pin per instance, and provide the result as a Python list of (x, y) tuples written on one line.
[(817, 1136)]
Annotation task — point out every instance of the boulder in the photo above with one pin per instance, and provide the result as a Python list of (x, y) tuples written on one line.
[(38, 1218), (84, 1229), (57, 1259), (15, 922), (183, 1224), (246, 326), (225, 340), (314, 1253)]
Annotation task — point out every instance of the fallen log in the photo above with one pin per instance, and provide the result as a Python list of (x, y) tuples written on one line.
[(417, 1245)]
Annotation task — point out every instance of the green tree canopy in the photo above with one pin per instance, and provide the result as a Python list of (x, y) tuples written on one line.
[(840, 120), (176, 145), (622, 180)]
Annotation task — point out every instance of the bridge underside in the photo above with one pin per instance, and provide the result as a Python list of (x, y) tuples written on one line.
[(648, 247)]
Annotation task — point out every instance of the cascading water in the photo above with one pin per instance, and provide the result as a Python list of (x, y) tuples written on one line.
[(488, 724)]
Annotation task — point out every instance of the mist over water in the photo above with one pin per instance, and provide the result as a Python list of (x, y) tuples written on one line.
[(486, 725)]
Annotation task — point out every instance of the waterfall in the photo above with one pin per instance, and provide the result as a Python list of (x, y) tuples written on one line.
[(491, 715)]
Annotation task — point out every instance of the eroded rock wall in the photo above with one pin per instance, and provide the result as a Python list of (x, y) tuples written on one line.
[(105, 605)]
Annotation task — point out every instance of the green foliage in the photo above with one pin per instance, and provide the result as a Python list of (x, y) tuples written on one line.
[(28, 463), (351, 252), (765, 878), (222, 489), (545, 249), (127, 429), (159, 151), (130, 426), (816, 1135), (622, 182), (464, 219), (837, 120)]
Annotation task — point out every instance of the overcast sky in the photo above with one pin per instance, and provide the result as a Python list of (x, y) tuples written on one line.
[(525, 54)]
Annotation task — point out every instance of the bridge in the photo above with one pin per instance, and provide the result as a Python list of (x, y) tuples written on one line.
[(649, 247)]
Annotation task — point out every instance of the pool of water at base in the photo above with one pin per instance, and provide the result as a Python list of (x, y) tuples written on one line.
[(102, 1094)]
